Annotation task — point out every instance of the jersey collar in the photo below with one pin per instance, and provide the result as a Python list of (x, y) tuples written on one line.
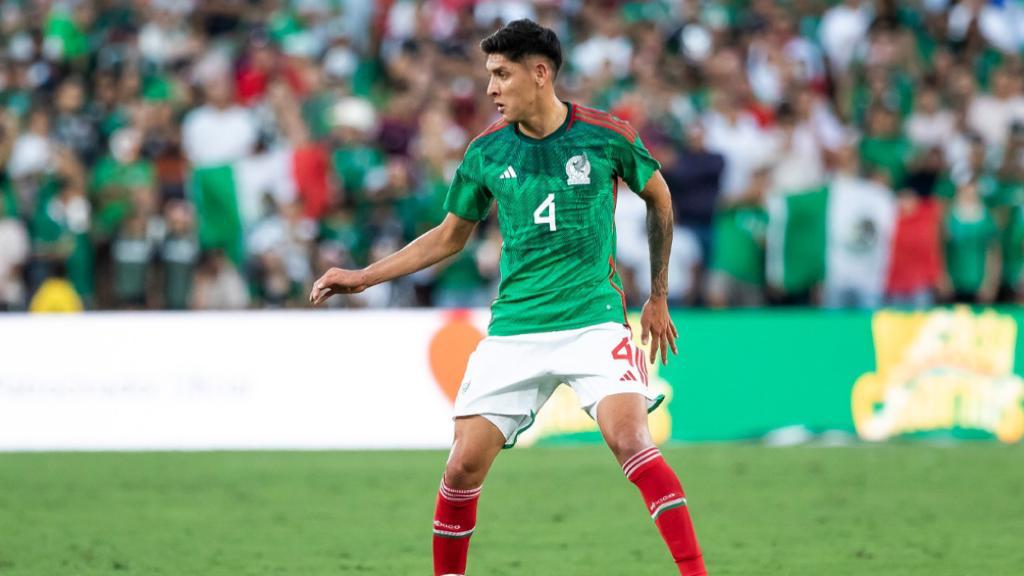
[(561, 129)]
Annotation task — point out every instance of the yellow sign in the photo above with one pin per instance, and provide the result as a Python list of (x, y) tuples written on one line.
[(941, 370)]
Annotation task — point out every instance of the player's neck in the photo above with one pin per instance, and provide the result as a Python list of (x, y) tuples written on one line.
[(549, 116)]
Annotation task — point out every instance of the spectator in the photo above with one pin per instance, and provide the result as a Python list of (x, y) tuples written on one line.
[(972, 249), (885, 149), (843, 28), (214, 137), (460, 283), (991, 115), (132, 255), (929, 125), (1010, 174), (56, 294), (279, 246), (165, 39), (799, 163), (737, 270), (73, 128), (633, 255), (991, 19), (1013, 256), (14, 251), (737, 136), (177, 255), (607, 51), (860, 219), (219, 132), (116, 178), (1010, 210), (917, 266), (694, 178), (292, 136), (217, 285)]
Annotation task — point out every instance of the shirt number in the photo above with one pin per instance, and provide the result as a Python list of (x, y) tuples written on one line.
[(545, 213)]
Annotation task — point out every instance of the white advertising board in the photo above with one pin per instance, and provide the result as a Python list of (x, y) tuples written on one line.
[(268, 380)]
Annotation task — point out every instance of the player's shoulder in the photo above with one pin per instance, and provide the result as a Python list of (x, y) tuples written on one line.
[(489, 135), (604, 121)]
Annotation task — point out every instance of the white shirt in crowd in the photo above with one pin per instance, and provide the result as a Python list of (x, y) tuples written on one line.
[(991, 117), (843, 29), (160, 43), (998, 24), (632, 250), (226, 290), (931, 130), (213, 137), (592, 55), (745, 146), (798, 164), (14, 250)]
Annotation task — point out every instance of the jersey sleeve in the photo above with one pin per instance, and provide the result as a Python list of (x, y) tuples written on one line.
[(633, 163), (467, 197)]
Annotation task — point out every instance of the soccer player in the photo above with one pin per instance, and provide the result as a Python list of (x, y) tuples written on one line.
[(560, 316)]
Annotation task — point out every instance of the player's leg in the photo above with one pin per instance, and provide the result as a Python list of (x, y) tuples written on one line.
[(477, 443), (622, 419), (503, 388)]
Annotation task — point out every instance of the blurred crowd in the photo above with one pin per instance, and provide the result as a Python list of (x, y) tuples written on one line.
[(177, 154)]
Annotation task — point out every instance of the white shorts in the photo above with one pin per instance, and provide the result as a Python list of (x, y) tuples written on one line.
[(509, 378)]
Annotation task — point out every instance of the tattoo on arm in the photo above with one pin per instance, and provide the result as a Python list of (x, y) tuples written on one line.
[(659, 237)]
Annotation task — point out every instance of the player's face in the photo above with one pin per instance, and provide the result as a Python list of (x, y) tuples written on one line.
[(511, 87)]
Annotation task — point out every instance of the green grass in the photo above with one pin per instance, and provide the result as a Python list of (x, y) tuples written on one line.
[(887, 510)]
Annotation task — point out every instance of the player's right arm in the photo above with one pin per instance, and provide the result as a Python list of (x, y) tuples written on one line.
[(438, 243)]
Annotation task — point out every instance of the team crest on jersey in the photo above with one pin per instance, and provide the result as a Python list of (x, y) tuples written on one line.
[(577, 170)]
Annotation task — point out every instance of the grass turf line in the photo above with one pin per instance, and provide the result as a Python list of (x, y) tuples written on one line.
[(894, 510)]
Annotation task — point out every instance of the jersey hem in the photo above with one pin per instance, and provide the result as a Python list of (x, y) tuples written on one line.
[(575, 325)]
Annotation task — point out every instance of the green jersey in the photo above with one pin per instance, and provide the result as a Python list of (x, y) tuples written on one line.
[(738, 239), (556, 206), (967, 242)]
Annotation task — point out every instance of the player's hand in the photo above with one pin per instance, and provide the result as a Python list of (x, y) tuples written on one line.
[(655, 323), (337, 281)]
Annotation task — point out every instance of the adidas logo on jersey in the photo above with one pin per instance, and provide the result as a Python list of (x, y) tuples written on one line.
[(628, 377), (509, 172)]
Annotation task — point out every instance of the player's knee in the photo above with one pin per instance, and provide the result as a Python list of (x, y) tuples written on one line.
[(625, 443), (463, 472)]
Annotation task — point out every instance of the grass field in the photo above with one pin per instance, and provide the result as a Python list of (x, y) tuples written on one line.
[(885, 510)]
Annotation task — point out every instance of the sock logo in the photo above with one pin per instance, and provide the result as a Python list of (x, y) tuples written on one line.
[(654, 505), (453, 527)]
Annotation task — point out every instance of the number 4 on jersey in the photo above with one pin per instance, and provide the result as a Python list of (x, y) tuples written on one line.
[(545, 213)]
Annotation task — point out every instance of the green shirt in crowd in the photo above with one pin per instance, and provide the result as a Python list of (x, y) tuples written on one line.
[(890, 155), (968, 238), (1013, 248), (111, 187), (738, 243)]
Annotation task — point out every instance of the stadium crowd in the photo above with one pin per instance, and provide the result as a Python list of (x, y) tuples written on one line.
[(177, 154)]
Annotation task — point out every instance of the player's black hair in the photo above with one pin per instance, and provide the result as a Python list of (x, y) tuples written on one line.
[(521, 38)]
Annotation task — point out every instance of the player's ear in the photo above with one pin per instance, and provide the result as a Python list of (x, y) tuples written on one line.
[(541, 72)]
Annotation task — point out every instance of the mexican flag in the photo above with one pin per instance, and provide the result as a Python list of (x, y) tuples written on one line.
[(230, 198), (840, 234)]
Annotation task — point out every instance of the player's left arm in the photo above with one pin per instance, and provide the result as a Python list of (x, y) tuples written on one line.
[(655, 322)]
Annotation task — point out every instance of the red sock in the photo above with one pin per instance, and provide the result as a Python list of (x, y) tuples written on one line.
[(666, 502), (454, 522)]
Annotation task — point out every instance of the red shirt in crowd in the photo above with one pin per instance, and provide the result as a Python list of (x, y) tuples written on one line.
[(916, 262)]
